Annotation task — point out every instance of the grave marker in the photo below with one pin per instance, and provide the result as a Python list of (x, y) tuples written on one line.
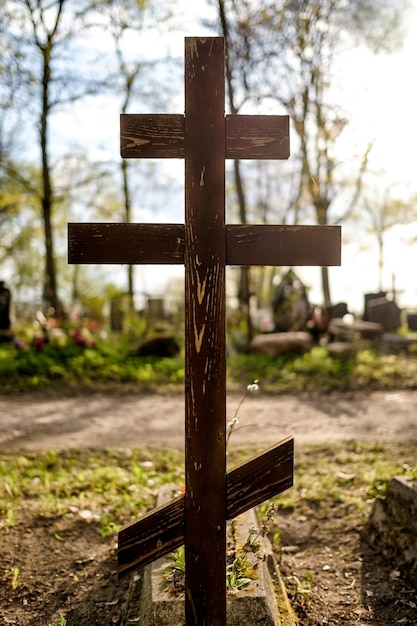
[(5, 322), (205, 137)]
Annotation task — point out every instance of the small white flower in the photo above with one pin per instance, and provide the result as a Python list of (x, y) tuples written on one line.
[(253, 387), (233, 422)]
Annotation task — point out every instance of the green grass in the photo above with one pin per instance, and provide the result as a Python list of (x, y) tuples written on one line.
[(318, 371), (112, 486), (115, 487), (345, 477), (72, 365), (109, 364)]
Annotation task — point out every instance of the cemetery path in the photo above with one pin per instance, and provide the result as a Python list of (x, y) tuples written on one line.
[(36, 421)]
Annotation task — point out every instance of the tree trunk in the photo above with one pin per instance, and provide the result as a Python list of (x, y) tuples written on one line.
[(50, 294), (244, 292), (327, 301), (322, 205), (128, 216), (380, 261)]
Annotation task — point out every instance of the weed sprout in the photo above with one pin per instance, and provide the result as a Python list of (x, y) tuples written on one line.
[(252, 388)]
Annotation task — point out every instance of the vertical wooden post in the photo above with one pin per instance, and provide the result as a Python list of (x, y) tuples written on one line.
[(205, 260)]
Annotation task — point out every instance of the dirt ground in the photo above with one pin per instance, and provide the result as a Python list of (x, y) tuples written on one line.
[(40, 421), (351, 584)]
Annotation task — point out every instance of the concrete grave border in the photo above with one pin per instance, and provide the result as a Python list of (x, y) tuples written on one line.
[(263, 603), (392, 526)]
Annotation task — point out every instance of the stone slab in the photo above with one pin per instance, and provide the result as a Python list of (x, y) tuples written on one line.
[(263, 603), (281, 343), (356, 330), (392, 526)]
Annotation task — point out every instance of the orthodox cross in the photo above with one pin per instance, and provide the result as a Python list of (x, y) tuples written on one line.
[(205, 137)]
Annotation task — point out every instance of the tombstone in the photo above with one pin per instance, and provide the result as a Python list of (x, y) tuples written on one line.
[(116, 314), (159, 344), (338, 310), (412, 322), (392, 526), (204, 136), (368, 298), (5, 322), (290, 304), (155, 310), (384, 312)]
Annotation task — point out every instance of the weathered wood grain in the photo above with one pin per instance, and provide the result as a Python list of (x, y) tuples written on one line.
[(152, 136), (205, 328), (248, 484), (257, 136), (126, 244), (265, 244), (259, 479), (205, 137), (246, 244), (163, 136)]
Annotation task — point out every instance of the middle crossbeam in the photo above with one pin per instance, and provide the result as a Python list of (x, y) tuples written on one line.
[(248, 244)]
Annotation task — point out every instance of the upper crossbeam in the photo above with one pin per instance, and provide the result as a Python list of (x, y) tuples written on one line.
[(163, 136)]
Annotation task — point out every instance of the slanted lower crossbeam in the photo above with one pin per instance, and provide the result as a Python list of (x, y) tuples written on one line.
[(248, 485)]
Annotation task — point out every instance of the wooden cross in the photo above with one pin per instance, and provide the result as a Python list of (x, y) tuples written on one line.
[(205, 137)]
